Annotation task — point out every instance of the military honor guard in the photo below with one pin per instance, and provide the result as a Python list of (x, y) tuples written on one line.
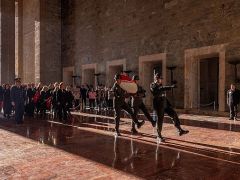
[(119, 103), (162, 105), (18, 96)]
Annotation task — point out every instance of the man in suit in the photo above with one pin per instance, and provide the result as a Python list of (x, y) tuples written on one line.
[(18, 96), (233, 96)]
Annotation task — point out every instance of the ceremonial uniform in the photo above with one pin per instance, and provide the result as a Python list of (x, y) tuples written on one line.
[(161, 105), (137, 104), (120, 104), (18, 96)]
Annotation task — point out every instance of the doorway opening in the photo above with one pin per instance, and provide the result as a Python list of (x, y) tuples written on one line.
[(209, 83)]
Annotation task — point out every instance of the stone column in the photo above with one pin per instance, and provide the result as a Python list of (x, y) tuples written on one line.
[(31, 49), (7, 41), (19, 38)]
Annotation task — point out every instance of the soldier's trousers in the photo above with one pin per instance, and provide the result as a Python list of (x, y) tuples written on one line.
[(145, 112), (233, 110), (19, 112), (126, 108), (160, 110)]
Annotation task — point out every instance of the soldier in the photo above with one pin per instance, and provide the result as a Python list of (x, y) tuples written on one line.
[(161, 105), (137, 104), (120, 104), (233, 96), (18, 96)]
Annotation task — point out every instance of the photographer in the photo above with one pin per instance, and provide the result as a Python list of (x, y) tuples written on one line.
[(161, 105), (137, 104)]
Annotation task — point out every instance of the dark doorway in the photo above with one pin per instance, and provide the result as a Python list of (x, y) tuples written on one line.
[(209, 85)]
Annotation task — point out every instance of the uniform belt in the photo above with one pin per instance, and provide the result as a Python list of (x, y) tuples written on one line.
[(162, 95)]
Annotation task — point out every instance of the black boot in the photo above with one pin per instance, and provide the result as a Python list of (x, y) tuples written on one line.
[(182, 132), (134, 131)]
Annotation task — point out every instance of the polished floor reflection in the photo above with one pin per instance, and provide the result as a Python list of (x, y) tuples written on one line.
[(86, 148)]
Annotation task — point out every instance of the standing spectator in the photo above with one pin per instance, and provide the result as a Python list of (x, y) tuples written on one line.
[(76, 94), (30, 103), (92, 98), (69, 99), (83, 93), (36, 98), (233, 96), (61, 102), (18, 98), (7, 106), (1, 98), (54, 100), (110, 98), (43, 101)]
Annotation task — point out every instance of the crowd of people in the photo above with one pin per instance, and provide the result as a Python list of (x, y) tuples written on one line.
[(58, 99), (35, 100)]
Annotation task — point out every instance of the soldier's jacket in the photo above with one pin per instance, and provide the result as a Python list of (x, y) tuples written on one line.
[(159, 94), (137, 99), (18, 95), (119, 95)]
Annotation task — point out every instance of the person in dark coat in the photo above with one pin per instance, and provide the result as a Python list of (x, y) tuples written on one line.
[(18, 96), (7, 106), (119, 104), (69, 99), (43, 101), (233, 98), (162, 105), (54, 100), (83, 93), (137, 104), (30, 103), (61, 102), (1, 97)]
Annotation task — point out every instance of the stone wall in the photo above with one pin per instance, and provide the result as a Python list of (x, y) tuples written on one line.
[(114, 29)]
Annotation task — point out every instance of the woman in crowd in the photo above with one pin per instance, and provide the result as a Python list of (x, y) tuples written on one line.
[(69, 99), (7, 106), (92, 98), (110, 96), (43, 101), (36, 98), (54, 100)]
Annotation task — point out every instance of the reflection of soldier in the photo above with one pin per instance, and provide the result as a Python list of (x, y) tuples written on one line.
[(137, 104), (120, 104), (18, 96), (161, 105)]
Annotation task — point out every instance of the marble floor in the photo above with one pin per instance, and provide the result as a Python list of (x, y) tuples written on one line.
[(86, 148)]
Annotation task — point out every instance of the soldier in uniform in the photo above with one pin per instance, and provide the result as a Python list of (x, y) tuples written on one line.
[(120, 104), (233, 96), (18, 96), (137, 104), (161, 105)]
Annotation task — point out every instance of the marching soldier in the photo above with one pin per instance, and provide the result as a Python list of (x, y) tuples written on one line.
[(161, 105), (18, 96), (120, 104), (137, 104)]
